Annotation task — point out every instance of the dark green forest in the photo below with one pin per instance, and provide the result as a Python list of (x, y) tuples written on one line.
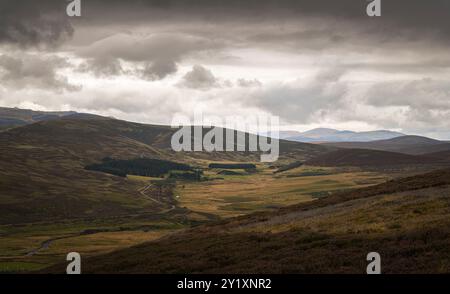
[(139, 166), (232, 165)]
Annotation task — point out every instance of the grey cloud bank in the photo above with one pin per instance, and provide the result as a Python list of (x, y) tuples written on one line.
[(33, 23), (310, 62)]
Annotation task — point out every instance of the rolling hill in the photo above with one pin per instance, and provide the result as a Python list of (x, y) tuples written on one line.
[(441, 156), (43, 175), (405, 220), (366, 157), (414, 145), (14, 117)]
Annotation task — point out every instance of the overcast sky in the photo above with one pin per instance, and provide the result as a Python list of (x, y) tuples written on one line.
[(312, 63)]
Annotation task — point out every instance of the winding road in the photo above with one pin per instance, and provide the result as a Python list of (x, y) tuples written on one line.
[(143, 191)]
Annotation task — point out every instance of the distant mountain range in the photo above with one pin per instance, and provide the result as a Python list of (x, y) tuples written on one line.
[(332, 135)]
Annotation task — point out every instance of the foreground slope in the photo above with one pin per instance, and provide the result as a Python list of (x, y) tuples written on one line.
[(405, 220)]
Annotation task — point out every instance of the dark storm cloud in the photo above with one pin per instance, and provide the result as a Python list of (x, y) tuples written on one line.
[(422, 17), (30, 22), (403, 10), (295, 26), (159, 53), (33, 23)]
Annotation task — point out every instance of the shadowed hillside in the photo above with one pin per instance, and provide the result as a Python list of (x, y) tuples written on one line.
[(15, 117), (406, 221), (42, 166), (375, 158), (413, 145)]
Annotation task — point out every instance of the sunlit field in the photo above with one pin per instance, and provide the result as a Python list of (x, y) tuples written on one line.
[(232, 195)]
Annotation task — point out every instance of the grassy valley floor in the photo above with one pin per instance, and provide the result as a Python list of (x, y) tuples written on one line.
[(405, 220), (35, 245)]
